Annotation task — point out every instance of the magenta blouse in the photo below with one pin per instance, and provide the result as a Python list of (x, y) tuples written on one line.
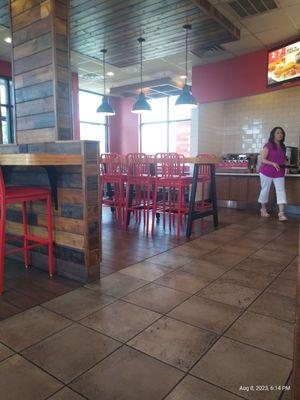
[(276, 154)]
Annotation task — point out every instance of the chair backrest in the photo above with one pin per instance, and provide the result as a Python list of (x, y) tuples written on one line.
[(168, 165), (138, 164), (205, 169), (110, 164), (2, 184)]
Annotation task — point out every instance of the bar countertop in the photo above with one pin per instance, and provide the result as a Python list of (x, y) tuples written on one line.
[(40, 159), (251, 174)]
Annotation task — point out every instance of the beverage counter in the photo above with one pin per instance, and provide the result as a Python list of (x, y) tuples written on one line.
[(245, 187)]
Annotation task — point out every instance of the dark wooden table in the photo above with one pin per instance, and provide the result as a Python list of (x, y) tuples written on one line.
[(213, 210)]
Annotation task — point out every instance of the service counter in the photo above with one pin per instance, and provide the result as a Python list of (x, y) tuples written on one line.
[(71, 169), (244, 188)]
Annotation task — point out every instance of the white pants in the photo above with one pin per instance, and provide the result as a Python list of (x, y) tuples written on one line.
[(266, 182)]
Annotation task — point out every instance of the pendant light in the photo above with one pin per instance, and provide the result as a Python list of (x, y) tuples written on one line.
[(105, 108), (141, 105), (186, 98)]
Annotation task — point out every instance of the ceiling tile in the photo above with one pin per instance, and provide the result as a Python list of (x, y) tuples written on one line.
[(273, 36), (294, 13), (246, 43), (266, 21)]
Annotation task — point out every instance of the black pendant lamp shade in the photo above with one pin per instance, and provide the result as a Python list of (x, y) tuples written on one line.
[(186, 98), (105, 108), (141, 105)]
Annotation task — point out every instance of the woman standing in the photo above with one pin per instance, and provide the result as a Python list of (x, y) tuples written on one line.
[(272, 170)]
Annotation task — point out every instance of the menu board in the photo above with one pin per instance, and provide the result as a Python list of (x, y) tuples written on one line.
[(284, 64)]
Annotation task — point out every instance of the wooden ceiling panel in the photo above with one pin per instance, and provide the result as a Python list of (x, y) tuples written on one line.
[(116, 25)]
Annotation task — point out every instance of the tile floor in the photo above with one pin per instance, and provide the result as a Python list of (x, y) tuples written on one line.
[(209, 319)]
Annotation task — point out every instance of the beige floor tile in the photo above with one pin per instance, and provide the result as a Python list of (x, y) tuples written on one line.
[(70, 352), (29, 327), (191, 388), (21, 380), (117, 284), (240, 250), (156, 298), (248, 243), (250, 279), (121, 320), (274, 256), (184, 281), (146, 270), (203, 243), (128, 375), (173, 342), (284, 287), (261, 266), (204, 268), (206, 314), (190, 251), (66, 394), (278, 246), (231, 364), (170, 259), (291, 272), (5, 352), (224, 258), (230, 293), (79, 303), (274, 305), (264, 332)]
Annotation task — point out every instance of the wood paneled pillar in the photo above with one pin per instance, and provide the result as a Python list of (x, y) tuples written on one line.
[(41, 70)]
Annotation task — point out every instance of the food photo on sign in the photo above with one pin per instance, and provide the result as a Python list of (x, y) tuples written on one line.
[(284, 63)]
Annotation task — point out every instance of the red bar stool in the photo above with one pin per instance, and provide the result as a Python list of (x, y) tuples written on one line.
[(113, 176), (171, 178), (203, 179), (139, 177), (22, 194)]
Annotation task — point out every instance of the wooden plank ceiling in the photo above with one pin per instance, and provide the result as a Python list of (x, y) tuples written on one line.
[(116, 25)]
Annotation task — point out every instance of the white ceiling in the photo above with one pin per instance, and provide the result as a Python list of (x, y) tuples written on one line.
[(257, 32)]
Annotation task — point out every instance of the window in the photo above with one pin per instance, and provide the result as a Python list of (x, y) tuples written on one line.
[(6, 114), (167, 128), (93, 126)]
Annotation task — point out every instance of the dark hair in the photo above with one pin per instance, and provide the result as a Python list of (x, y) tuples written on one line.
[(272, 137)]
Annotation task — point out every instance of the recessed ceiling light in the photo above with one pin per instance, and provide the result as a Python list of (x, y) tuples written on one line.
[(107, 90), (183, 76), (110, 73), (7, 39)]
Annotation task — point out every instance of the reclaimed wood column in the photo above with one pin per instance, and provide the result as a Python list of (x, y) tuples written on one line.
[(41, 70)]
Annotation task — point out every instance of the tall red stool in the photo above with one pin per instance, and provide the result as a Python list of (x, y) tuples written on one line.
[(139, 177), (22, 194), (113, 176), (203, 178), (170, 176)]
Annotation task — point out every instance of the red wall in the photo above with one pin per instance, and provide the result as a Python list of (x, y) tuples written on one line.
[(241, 76), (123, 127), (5, 68)]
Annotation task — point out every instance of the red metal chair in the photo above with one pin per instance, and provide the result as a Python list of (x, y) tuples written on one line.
[(204, 179), (22, 194), (139, 187), (112, 176), (171, 178)]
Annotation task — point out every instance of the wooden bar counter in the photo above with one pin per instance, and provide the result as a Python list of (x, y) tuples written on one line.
[(77, 219)]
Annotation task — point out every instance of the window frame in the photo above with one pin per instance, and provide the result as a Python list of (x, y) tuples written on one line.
[(167, 121), (105, 124), (9, 105)]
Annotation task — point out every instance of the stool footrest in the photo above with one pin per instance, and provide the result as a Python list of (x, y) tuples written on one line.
[(32, 246)]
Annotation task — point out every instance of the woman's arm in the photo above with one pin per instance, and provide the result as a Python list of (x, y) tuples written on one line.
[(264, 156)]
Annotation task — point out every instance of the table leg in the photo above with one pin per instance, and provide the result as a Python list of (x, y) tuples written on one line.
[(192, 200), (214, 194), (52, 176)]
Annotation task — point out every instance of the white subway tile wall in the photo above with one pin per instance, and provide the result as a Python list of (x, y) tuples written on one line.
[(244, 124)]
